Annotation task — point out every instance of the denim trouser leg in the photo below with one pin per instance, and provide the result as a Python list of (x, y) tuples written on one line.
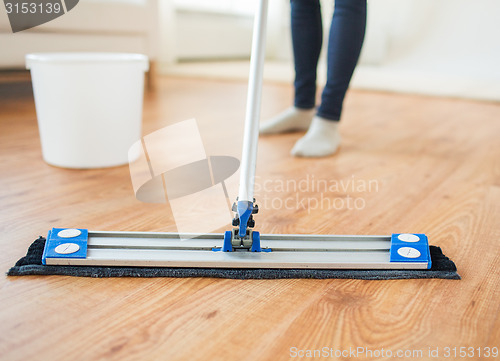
[(344, 46), (307, 38)]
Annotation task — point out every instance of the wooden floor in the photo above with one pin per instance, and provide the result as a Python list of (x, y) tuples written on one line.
[(434, 166)]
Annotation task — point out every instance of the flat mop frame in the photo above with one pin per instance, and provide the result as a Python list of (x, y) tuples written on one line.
[(242, 247)]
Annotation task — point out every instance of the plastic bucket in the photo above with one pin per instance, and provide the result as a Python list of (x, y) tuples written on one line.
[(88, 105)]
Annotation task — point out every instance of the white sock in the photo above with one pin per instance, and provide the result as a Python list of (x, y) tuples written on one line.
[(292, 119), (321, 139)]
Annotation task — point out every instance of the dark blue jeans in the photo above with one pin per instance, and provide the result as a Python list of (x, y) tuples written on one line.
[(347, 32)]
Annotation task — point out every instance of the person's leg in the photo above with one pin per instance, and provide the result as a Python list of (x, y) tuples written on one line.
[(307, 38), (344, 46)]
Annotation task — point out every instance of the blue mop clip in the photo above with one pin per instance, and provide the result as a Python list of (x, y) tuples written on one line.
[(410, 247), (66, 243)]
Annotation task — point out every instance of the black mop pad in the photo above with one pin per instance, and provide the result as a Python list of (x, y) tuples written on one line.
[(31, 264)]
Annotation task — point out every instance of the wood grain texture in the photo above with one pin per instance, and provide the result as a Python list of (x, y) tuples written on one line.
[(436, 167)]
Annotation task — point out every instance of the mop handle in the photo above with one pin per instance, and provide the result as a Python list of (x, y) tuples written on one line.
[(251, 132)]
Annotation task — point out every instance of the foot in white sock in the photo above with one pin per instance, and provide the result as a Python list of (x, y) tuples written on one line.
[(292, 119), (321, 139)]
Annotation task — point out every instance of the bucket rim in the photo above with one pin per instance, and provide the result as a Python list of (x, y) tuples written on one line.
[(85, 58)]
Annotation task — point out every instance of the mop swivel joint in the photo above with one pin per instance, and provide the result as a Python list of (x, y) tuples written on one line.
[(244, 212), (243, 237)]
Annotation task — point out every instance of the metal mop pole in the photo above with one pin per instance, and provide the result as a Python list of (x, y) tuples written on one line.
[(245, 206), (251, 133)]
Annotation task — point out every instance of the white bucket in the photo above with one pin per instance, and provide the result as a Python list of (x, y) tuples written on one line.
[(88, 105)]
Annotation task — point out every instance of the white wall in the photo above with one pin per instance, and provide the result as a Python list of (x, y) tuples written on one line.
[(437, 47), (219, 29)]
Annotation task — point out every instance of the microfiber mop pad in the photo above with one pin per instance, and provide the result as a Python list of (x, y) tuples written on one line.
[(31, 264)]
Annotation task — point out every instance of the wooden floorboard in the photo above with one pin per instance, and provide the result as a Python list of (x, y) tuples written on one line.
[(434, 165)]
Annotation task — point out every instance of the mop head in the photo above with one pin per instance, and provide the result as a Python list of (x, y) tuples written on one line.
[(31, 264)]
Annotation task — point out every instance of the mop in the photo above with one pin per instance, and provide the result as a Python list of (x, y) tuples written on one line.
[(240, 252)]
